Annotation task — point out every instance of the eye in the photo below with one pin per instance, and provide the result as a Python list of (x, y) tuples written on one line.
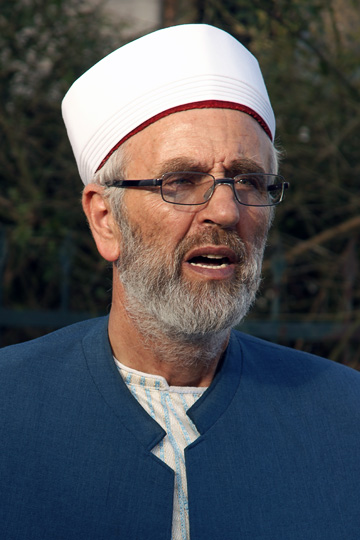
[(252, 181), (186, 187), (183, 179)]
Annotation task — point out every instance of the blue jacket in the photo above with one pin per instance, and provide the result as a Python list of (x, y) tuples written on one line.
[(277, 458)]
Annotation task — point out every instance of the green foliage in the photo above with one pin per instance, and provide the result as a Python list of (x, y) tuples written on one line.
[(44, 46)]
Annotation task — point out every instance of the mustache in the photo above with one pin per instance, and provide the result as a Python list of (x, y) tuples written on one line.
[(216, 237)]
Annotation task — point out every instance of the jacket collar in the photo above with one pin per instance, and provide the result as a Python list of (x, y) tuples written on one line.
[(214, 402), (113, 391)]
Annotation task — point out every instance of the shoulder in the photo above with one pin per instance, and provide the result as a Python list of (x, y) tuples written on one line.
[(62, 344), (287, 366), (49, 374)]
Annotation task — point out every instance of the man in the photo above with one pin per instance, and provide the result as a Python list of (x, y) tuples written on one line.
[(160, 422)]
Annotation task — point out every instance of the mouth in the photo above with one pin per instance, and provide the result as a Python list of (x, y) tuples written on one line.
[(214, 262), (209, 261)]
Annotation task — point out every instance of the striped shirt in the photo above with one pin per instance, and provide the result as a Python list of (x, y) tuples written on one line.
[(168, 405)]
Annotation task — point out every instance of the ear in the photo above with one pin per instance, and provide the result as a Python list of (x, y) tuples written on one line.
[(102, 224)]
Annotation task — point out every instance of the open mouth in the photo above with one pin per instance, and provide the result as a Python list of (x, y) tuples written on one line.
[(210, 261), (215, 261)]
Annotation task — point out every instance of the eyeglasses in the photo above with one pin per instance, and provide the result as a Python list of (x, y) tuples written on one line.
[(195, 188)]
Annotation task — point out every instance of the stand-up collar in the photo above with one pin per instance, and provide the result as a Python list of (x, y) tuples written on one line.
[(204, 413), (215, 401), (113, 390)]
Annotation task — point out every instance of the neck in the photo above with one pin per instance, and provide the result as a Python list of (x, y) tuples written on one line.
[(141, 345)]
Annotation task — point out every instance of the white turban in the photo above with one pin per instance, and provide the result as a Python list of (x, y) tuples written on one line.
[(173, 69)]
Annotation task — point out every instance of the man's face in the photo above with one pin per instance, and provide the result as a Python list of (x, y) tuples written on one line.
[(195, 269)]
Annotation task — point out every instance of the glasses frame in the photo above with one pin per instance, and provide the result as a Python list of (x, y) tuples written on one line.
[(158, 182)]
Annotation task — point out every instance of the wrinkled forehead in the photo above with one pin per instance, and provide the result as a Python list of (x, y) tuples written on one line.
[(207, 140), (174, 69)]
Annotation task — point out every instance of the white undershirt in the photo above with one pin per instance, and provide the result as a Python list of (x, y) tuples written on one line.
[(167, 405)]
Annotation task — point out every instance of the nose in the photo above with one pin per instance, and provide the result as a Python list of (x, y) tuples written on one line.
[(222, 209)]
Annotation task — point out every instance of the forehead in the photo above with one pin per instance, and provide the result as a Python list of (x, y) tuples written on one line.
[(211, 139)]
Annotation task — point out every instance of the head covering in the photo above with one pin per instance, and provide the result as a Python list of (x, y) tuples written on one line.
[(173, 69)]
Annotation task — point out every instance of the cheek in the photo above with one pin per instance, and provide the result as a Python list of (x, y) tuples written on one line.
[(254, 225), (159, 222)]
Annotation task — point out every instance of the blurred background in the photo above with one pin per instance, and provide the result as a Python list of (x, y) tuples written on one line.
[(309, 52)]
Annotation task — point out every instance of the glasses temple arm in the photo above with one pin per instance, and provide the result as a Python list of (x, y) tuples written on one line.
[(133, 183)]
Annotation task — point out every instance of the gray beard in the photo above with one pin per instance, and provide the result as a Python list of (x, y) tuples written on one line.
[(168, 309)]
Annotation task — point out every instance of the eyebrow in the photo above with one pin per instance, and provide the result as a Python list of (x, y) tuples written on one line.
[(182, 163), (243, 165)]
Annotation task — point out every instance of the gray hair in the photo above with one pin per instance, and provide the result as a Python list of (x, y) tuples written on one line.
[(275, 158), (113, 169)]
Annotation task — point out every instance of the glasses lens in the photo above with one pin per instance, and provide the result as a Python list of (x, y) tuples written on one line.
[(187, 187), (257, 189)]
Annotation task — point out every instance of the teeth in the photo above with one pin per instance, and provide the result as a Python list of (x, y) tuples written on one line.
[(213, 256), (209, 265), (200, 261)]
